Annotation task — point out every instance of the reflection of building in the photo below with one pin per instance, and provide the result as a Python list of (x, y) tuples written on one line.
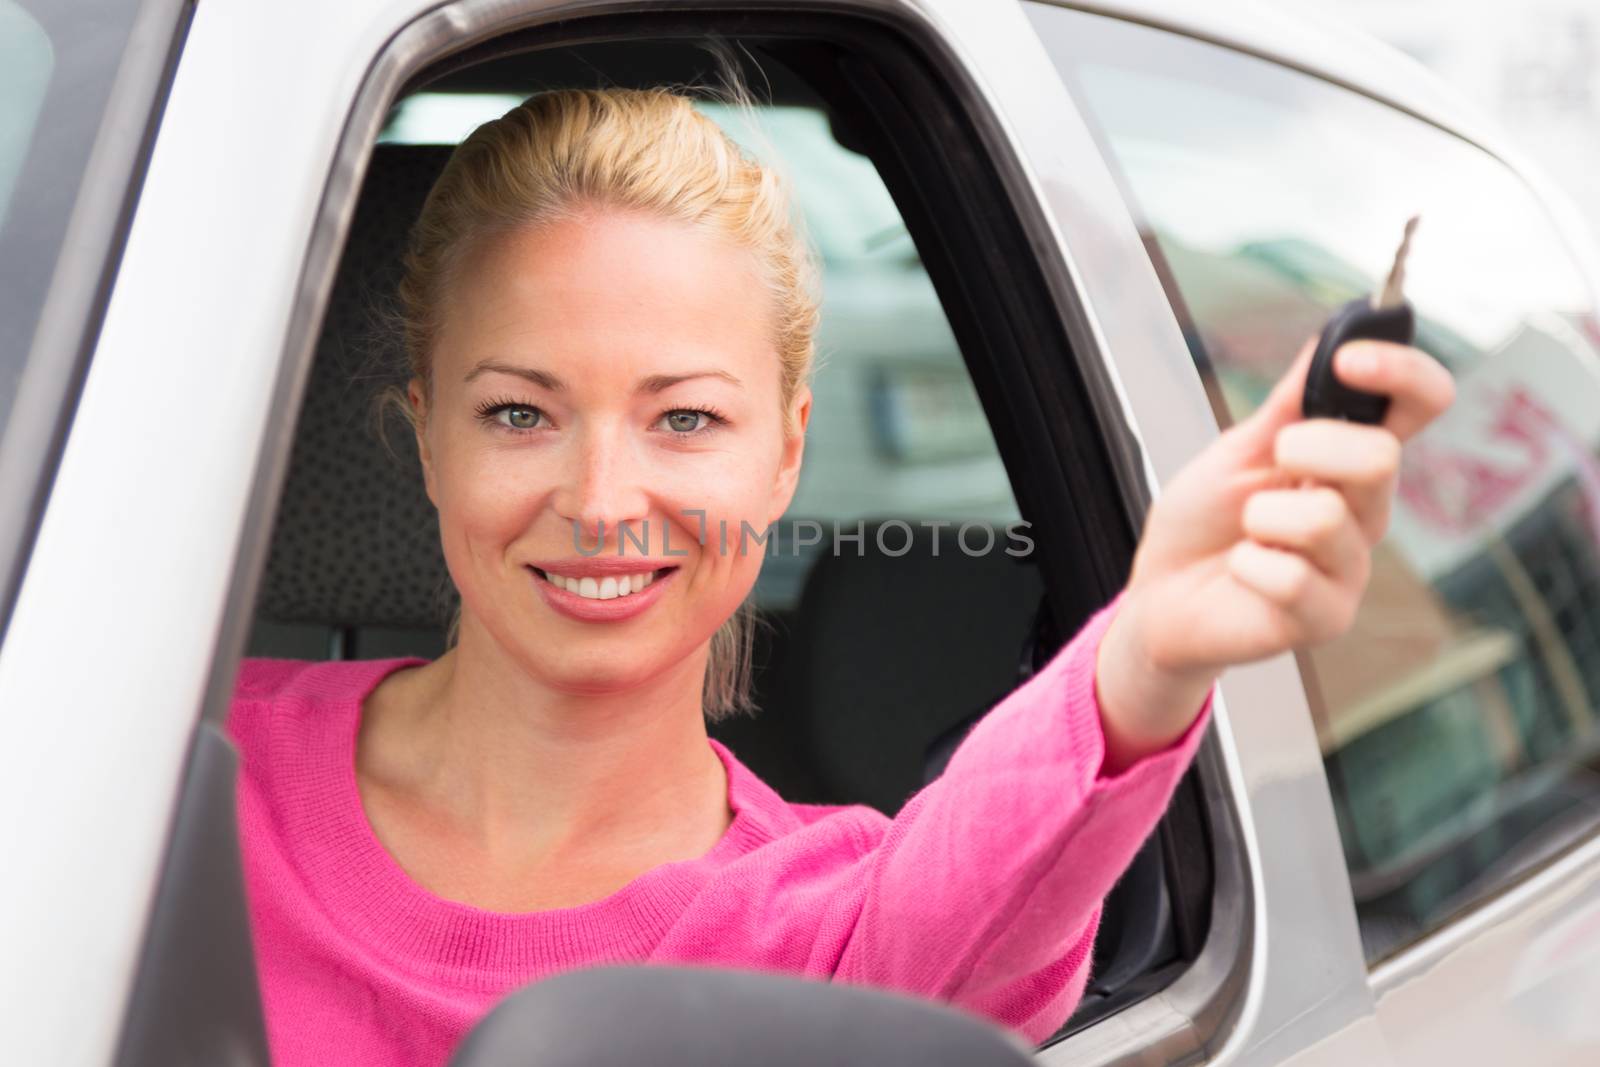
[(1504, 492), (1478, 633), (1478, 617), (1261, 299), (1533, 65)]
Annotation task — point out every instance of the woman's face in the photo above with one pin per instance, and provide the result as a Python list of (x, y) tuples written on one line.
[(606, 383)]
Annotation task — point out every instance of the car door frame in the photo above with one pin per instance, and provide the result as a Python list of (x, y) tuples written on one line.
[(175, 307)]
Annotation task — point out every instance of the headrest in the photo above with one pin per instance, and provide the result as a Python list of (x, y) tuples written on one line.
[(357, 541), (890, 652)]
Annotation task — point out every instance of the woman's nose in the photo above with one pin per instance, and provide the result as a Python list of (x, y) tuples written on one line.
[(602, 490)]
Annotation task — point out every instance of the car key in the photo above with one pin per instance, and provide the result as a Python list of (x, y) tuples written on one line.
[(1385, 316)]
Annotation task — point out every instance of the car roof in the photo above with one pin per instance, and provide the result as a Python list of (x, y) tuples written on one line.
[(1297, 36), (1292, 34)]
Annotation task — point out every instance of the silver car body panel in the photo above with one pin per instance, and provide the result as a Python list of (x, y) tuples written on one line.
[(185, 418)]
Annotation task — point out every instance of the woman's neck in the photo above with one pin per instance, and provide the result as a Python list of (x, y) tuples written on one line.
[(484, 784)]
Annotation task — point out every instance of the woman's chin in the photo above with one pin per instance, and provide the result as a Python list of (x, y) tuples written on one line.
[(601, 684), (600, 668)]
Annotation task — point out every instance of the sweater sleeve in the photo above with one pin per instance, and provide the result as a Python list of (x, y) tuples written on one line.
[(986, 889)]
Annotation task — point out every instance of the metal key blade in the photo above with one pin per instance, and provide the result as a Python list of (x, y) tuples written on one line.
[(1393, 294)]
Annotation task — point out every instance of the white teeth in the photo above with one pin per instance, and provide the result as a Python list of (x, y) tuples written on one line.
[(607, 588)]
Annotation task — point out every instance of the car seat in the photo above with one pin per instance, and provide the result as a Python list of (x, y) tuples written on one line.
[(355, 567), (888, 653)]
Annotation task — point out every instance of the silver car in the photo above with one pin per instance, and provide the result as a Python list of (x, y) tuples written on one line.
[(1064, 244)]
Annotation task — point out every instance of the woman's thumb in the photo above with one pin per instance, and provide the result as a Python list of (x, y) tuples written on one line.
[(1282, 405)]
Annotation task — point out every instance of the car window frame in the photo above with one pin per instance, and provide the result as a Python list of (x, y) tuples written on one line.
[(1119, 452)]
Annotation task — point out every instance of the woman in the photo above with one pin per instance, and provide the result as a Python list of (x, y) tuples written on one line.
[(609, 323)]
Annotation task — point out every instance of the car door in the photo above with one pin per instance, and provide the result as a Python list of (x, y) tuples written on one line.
[(206, 350)]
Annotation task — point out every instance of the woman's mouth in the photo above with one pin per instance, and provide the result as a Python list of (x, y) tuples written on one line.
[(600, 591), (602, 587)]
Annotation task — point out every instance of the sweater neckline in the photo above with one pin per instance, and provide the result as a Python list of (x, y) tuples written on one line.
[(371, 897)]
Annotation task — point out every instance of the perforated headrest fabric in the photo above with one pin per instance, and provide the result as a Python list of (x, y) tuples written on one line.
[(890, 652), (357, 541)]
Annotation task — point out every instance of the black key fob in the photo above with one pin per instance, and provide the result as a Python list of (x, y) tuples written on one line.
[(1326, 397)]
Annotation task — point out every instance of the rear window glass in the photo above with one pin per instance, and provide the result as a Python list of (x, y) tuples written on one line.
[(58, 60), (1458, 718), (26, 60)]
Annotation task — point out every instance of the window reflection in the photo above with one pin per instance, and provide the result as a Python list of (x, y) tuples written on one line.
[(1457, 718)]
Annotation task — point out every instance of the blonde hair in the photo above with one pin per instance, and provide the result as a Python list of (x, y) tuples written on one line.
[(558, 153)]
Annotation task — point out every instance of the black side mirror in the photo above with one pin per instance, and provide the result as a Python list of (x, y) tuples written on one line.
[(702, 1017)]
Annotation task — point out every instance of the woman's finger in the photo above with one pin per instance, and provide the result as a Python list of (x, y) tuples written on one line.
[(1309, 605), (1315, 522), (1418, 386), (1362, 462), (1332, 450)]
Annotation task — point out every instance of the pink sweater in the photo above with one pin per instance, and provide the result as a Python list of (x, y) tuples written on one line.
[(983, 891)]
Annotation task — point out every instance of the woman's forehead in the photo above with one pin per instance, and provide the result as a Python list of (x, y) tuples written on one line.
[(611, 291), (615, 258)]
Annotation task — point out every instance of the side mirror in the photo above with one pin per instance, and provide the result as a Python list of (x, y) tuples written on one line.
[(703, 1017)]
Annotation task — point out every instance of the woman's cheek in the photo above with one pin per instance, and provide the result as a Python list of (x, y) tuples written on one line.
[(723, 508), (488, 504)]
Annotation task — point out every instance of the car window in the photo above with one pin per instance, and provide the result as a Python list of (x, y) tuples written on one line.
[(59, 62), (915, 602), (1457, 718), (26, 59)]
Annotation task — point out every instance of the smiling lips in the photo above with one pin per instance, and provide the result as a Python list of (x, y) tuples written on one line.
[(601, 590)]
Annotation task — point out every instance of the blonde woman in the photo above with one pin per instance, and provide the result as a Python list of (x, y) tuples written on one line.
[(609, 323)]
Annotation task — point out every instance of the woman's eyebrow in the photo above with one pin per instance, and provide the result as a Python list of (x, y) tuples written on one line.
[(655, 383), (537, 377)]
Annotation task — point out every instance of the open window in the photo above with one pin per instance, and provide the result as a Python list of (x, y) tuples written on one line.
[(898, 581), (949, 413)]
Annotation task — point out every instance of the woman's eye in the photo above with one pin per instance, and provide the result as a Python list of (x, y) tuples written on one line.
[(520, 418), (685, 421)]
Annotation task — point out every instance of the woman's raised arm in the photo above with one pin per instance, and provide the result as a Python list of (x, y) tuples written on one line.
[(986, 889)]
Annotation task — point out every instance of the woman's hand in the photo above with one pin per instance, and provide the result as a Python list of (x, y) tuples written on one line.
[(1262, 543)]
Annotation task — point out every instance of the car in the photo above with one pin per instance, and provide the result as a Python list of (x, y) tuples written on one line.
[(1065, 245)]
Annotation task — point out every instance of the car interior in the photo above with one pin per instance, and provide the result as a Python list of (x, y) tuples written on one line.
[(869, 666)]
